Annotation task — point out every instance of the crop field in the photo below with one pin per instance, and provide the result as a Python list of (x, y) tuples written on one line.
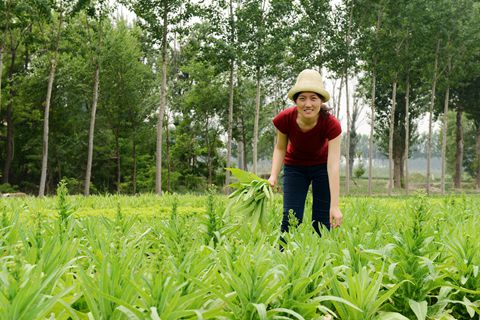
[(187, 257)]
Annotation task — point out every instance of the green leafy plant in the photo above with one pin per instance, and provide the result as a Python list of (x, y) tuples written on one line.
[(364, 291), (65, 210)]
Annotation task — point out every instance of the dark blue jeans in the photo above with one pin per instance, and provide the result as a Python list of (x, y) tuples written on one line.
[(296, 181)]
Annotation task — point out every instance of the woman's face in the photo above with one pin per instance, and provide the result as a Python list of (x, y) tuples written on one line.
[(308, 104)]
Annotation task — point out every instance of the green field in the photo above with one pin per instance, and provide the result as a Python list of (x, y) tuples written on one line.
[(183, 257)]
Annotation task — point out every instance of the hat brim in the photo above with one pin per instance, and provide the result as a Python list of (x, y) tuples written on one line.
[(309, 87)]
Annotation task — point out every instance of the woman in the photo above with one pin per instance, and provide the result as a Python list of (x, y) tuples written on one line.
[(308, 144)]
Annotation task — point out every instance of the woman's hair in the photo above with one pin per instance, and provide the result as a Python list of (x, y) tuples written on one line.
[(324, 110)]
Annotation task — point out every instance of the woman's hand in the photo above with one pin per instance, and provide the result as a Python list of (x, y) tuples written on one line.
[(336, 217), (273, 181)]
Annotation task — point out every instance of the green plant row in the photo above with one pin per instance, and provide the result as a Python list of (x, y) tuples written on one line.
[(409, 258)]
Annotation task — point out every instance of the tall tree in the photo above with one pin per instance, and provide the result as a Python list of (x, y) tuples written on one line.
[(161, 18), (252, 18), (231, 86), (444, 132), (98, 10), (60, 11), (400, 33), (430, 115), (313, 37), (221, 50), (348, 39), (126, 81), (437, 34), (342, 57), (460, 51), (390, 139), (262, 40), (407, 132), (368, 17), (4, 20), (1, 65), (468, 97), (17, 19)]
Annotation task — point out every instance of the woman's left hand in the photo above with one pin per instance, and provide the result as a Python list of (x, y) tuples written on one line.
[(336, 217)]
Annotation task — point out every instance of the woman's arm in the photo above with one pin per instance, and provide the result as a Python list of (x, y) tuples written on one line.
[(278, 156), (333, 168)]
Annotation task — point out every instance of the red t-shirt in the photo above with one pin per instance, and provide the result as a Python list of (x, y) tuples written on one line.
[(307, 148)]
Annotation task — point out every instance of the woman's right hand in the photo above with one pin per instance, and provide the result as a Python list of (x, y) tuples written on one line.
[(273, 181)]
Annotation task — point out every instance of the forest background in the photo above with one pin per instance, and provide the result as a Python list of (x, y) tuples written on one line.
[(166, 96)]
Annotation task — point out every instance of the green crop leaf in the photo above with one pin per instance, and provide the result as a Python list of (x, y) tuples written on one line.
[(419, 308), (250, 197), (261, 309), (288, 311), (244, 176), (391, 316)]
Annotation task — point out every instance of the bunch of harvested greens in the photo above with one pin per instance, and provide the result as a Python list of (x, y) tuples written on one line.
[(250, 197)]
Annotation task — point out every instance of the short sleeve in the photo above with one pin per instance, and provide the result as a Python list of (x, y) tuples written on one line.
[(334, 128), (281, 122)]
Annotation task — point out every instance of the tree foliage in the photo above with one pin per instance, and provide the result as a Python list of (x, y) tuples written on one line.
[(265, 42)]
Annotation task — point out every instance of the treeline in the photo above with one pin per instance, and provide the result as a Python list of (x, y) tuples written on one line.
[(166, 98)]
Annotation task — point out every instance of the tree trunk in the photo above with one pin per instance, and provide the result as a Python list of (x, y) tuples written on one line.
[(230, 125), (370, 138), (444, 139), (51, 78), (117, 159), (397, 169), (1, 73), (9, 118), (372, 125), (240, 154), (49, 182), (347, 96), (347, 149), (356, 110), (333, 99), (244, 144), (398, 165), (407, 133), (230, 102), (337, 115), (209, 152), (91, 131), (390, 139), (169, 162), (478, 156), (430, 123), (134, 169), (351, 153), (255, 125), (163, 102), (9, 156), (459, 150)]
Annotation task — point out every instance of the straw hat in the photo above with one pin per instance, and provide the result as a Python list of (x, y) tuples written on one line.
[(309, 80)]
